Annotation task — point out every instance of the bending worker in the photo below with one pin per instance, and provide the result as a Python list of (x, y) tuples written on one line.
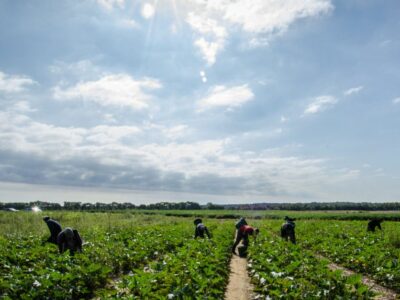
[(243, 234), (200, 229), (69, 239)]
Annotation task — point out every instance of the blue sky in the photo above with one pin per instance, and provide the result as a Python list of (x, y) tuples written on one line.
[(229, 101)]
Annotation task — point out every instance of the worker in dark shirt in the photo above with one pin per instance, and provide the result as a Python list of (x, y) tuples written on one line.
[(243, 234), (287, 230), (200, 229), (54, 227), (373, 224), (69, 239)]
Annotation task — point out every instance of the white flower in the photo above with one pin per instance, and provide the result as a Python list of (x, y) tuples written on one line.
[(263, 281), (276, 274), (171, 296), (36, 283), (147, 269)]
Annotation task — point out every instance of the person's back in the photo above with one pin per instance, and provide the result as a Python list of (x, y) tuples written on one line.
[(287, 230), (373, 224), (54, 227), (240, 223), (69, 239)]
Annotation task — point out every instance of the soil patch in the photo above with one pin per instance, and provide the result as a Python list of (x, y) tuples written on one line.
[(239, 286)]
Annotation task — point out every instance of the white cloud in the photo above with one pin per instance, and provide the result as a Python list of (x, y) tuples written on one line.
[(175, 132), (212, 39), (110, 118), (111, 4), (14, 83), (169, 132), (396, 100), (320, 103), (128, 23), (206, 25), (262, 19), (82, 69), (271, 16), (104, 134), (354, 90), (147, 11), (119, 156), (114, 90), (23, 107), (222, 96), (208, 50)]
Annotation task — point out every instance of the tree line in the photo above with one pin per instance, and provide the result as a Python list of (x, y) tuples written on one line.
[(99, 206)]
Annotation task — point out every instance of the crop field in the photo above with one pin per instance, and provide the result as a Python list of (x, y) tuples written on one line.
[(127, 255)]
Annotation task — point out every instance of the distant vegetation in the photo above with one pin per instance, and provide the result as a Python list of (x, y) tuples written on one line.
[(313, 206)]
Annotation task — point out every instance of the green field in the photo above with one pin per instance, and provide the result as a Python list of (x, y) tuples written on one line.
[(131, 255), (278, 214)]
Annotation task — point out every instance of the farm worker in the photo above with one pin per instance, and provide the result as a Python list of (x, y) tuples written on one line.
[(200, 229), (69, 239), (287, 230), (242, 234), (54, 227), (374, 223)]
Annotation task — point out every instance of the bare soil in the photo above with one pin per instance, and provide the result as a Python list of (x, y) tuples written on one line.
[(239, 286)]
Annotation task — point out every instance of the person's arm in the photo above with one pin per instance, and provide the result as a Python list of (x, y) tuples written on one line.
[(61, 243), (78, 240), (207, 232)]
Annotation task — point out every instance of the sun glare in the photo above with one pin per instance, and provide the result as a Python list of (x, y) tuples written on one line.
[(36, 209)]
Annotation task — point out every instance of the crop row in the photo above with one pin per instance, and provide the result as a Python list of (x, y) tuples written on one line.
[(281, 270), (198, 270), (150, 261), (31, 269), (347, 243)]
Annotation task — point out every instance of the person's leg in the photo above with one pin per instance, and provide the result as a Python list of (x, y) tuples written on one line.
[(237, 241), (245, 240), (293, 237)]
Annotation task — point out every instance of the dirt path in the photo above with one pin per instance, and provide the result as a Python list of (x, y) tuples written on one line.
[(382, 292), (239, 286)]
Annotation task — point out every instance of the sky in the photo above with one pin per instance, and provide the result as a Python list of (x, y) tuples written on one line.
[(229, 101)]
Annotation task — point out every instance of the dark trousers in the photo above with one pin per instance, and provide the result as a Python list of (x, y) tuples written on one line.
[(240, 236)]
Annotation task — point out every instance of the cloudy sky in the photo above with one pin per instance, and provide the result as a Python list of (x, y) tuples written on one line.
[(226, 101)]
